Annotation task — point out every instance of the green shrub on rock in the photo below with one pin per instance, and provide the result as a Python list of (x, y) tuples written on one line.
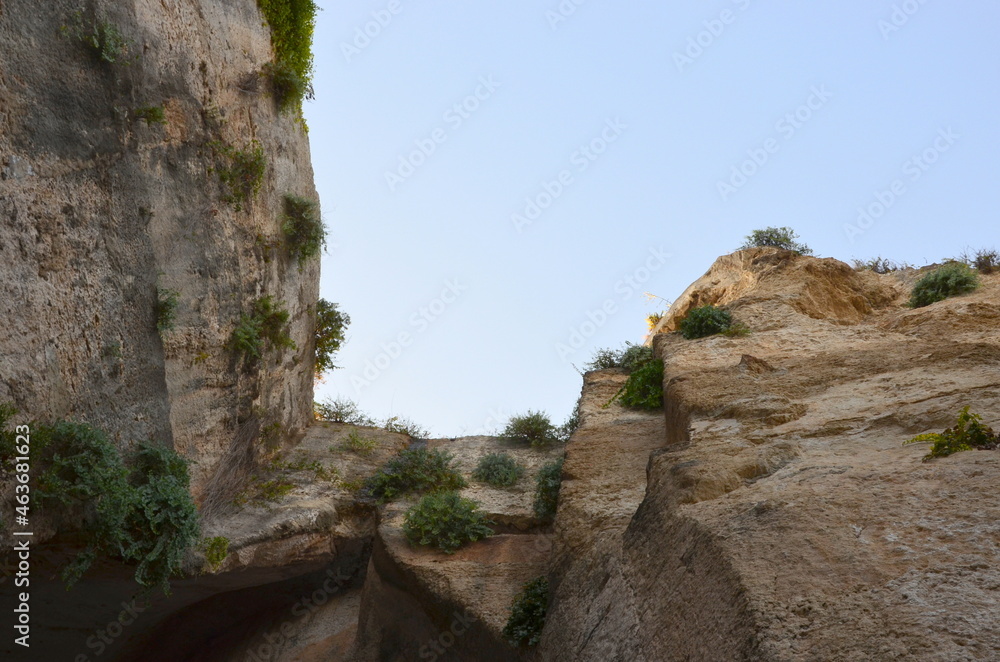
[(216, 551), (265, 327), (446, 521), (969, 432), (142, 513), (415, 470), (498, 470), (629, 357), (946, 281), (547, 484), (533, 428), (303, 227), (784, 238), (705, 321), (644, 387), (527, 613), (331, 325)]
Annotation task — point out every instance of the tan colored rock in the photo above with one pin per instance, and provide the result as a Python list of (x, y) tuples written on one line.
[(421, 602), (784, 519)]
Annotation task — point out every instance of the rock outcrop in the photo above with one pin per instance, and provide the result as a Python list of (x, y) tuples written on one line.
[(784, 519), (101, 208)]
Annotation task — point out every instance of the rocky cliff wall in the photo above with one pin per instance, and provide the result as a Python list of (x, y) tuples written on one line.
[(100, 209), (784, 519)]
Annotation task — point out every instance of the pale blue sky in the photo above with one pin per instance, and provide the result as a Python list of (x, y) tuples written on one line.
[(484, 299)]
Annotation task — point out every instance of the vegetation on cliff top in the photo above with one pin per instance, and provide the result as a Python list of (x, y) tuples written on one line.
[(344, 410), (292, 23), (644, 387), (533, 428), (784, 238), (949, 280), (415, 470)]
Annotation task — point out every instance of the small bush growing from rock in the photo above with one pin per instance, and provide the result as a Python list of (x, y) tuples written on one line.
[(331, 325), (141, 513), (151, 114), (986, 261), (162, 519), (527, 613), (292, 23), (362, 445), (103, 39), (242, 172), (628, 357), (342, 410), (498, 469), (303, 227), (405, 426), (969, 432), (446, 521), (288, 87), (705, 321), (415, 470), (216, 550), (533, 428), (166, 309), (547, 484), (949, 280), (879, 265), (644, 387), (265, 327), (784, 238)]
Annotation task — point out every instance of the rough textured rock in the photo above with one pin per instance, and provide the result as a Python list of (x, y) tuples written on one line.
[(421, 604), (784, 519), (99, 209)]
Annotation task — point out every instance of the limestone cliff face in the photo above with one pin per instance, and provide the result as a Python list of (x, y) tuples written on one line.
[(783, 519), (771, 513), (99, 209)]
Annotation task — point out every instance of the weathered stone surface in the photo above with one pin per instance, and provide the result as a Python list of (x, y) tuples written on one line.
[(420, 603), (784, 520), (100, 209)]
